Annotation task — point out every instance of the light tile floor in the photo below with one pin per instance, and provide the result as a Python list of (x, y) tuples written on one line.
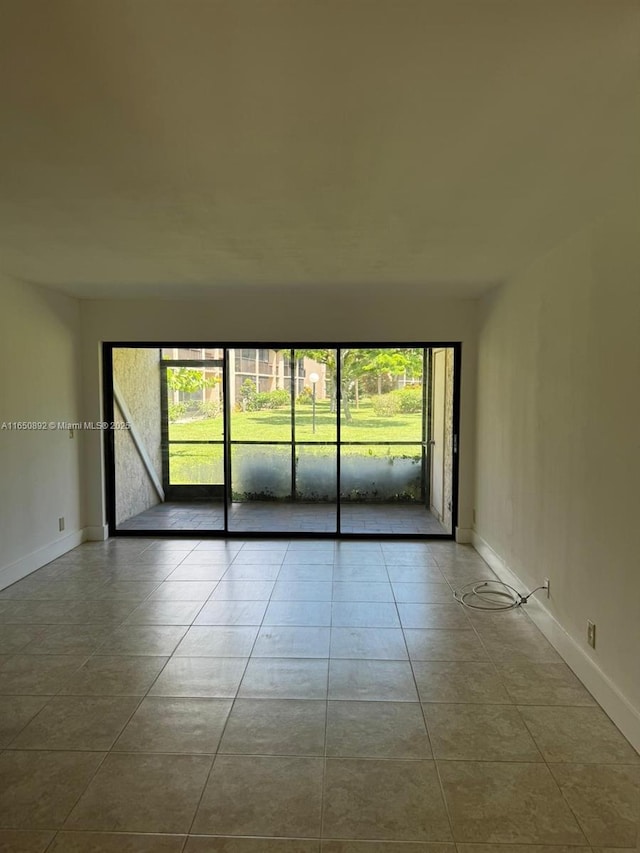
[(297, 696), (299, 517)]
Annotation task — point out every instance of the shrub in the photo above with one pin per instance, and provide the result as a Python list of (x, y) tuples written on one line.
[(410, 400), (249, 394), (403, 401), (176, 411), (305, 397), (386, 405), (210, 409), (272, 399)]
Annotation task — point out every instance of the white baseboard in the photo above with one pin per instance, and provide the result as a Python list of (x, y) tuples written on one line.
[(464, 535), (36, 559), (98, 533), (603, 689)]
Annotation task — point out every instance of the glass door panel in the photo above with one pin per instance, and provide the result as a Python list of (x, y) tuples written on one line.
[(194, 426), (383, 435), (261, 434), (316, 433), (193, 436), (282, 436)]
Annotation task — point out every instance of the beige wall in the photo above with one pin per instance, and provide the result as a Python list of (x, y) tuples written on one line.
[(558, 453), (271, 315), (40, 469)]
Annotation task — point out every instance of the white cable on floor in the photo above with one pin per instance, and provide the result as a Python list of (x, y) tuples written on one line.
[(491, 595)]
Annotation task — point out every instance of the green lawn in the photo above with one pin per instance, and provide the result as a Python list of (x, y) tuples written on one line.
[(203, 463), (196, 464), (275, 425)]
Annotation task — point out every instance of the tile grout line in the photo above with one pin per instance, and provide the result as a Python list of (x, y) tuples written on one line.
[(105, 755), (424, 719), (491, 659), (233, 703), (142, 698)]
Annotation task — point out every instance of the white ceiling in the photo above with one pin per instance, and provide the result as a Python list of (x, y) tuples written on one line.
[(169, 146)]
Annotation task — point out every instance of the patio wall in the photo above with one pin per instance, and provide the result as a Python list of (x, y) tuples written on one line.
[(137, 373)]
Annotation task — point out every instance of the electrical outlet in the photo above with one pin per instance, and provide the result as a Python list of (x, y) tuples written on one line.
[(547, 584), (591, 634), (61, 523)]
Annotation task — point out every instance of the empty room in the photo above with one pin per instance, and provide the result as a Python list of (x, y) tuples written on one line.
[(319, 459)]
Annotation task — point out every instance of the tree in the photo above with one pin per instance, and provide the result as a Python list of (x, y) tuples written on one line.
[(189, 379), (356, 363), (393, 363)]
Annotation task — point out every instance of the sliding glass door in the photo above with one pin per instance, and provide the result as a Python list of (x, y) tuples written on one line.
[(193, 436), (348, 440), (282, 443), (383, 440)]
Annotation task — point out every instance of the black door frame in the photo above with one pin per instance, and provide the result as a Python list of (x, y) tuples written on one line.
[(109, 444)]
